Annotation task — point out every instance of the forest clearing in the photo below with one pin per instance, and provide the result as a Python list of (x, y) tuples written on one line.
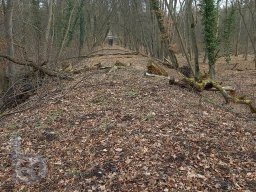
[(102, 109)]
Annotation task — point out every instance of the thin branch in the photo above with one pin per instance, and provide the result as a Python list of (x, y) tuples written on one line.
[(37, 67)]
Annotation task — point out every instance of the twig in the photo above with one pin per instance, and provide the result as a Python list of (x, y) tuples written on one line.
[(70, 88), (18, 111), (234, 66)]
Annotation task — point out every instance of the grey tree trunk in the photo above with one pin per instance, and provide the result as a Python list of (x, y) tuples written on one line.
[(238, 37), (194, 40), (8, 26), (47, 31), (250, 35), (64, 40)]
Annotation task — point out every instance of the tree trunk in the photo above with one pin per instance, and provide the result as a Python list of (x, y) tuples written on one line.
[(64, 39), (180, 37), (238, 36), (8, 26), (210, 24), (37, 23), (82, 27), (246, 48), (250, 36), (47, 31), (164, 35), (194, 40)]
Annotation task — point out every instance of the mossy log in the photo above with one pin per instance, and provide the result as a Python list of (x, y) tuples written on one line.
[(208, 84), (228, 92), (234, 98)]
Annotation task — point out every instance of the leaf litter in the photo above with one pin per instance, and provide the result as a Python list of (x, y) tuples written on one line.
[(122, 131)]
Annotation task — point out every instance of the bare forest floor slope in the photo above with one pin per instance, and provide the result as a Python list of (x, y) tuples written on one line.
[(118, 130)]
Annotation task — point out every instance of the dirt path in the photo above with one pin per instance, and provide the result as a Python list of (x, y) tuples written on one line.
[(122, 131)]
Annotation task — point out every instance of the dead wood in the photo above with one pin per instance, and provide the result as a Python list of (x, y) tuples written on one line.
[(101, 55), (234, 99), (234, 66), (93, 52), (37, 67), (211, 85), (154, 75), (111, 54), (18, 111), (226, 88), (156, 69), (227, 92)]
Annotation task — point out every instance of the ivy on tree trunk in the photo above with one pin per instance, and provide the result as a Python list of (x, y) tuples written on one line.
[(209, 21)]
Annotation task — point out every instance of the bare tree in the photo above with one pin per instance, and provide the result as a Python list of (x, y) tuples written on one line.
[(8, 25), (48, 31), (248, 31)]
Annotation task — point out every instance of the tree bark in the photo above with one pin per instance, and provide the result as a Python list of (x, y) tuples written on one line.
[(238, 36), (180, 37), (8, 26), (164, 35), (64, 40), (194, 40), (47, 31), (250, 36)]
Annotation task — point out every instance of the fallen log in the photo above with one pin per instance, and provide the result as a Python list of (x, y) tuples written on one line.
[(154, 75), (227, 92), (226, 88), (211, 85)]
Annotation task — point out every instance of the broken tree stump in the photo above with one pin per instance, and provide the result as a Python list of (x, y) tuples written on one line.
[(156, 69)]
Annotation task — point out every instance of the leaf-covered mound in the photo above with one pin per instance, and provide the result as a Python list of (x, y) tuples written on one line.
[(122, 131)]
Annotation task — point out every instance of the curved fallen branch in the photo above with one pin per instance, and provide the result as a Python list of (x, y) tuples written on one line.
[(234, 99), (37, 67), (213, 85), (205, 84)]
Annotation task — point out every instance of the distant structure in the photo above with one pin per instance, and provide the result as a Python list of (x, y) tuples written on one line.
[(110, 38)]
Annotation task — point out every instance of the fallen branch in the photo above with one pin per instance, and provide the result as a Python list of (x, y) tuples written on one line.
[(213, 85), (112, 54), (226, 88), (127, 51), (18, 111), (208, 85), (154, 75), (37, 67), (100, 55), (234, 66), (235, 99)]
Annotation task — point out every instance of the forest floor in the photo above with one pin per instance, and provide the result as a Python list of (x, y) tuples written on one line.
[(118, 130)]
